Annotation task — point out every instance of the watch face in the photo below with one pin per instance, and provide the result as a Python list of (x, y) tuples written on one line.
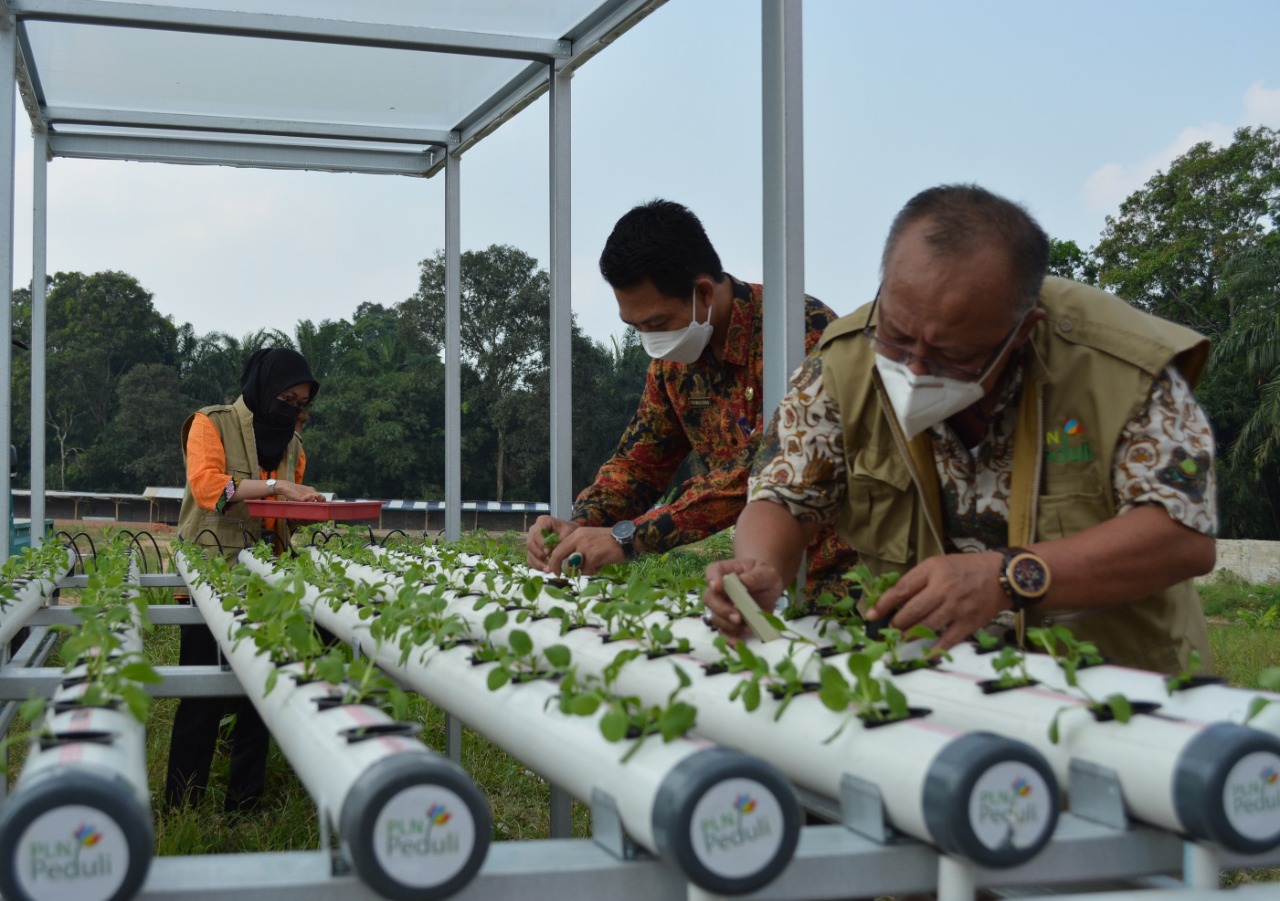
[(624, 531), (1028, 575)]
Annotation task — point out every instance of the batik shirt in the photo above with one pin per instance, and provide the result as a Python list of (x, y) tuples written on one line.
[(1164, 456), (716, 411)]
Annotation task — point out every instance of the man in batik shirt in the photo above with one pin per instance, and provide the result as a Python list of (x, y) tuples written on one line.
[(1005, 441), (702, 393)]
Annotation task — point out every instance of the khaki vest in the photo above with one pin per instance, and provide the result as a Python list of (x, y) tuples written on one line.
[(1091, 362), (233, 528)]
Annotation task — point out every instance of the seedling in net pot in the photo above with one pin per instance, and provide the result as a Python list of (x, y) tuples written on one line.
[(1070, 654), (874, 700)]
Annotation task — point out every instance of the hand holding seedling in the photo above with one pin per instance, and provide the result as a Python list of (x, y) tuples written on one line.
[(954, 595), (761, 581), (544, 538), (594, 548)]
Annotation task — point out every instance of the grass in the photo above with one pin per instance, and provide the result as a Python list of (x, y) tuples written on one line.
[(1242, 644)]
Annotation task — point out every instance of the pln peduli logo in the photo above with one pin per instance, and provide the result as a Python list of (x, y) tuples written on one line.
[(415, 836), (1067, 444), (736, 828), (60, 861)]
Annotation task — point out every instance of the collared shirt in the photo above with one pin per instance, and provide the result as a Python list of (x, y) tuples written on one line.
[(1164, 456), (714, 409)]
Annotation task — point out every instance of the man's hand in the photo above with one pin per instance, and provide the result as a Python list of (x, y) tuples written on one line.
[(954, 595), (597, 546), (759, 578), (536, 550)]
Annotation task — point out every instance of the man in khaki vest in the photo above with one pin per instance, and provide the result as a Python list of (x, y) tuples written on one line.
[(1004, 440)]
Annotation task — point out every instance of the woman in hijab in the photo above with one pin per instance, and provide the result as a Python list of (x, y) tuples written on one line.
[(236, 452)]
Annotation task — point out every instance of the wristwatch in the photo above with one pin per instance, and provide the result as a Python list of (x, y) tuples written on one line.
[(1024, 576), (624, 533), (271, 487)]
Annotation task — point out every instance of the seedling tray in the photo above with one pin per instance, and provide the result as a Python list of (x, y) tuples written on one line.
[(319, 511)]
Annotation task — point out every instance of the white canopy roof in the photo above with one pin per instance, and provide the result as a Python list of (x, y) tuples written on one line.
[(380, 86)]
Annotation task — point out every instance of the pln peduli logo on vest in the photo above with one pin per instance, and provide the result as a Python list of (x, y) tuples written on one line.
[(1067, 444)]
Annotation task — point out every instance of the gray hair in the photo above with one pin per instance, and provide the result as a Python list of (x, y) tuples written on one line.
[(964, 217)]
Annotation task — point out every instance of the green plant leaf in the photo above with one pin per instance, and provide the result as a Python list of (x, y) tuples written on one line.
[(676, 720), (558, 656), (1121, 708), (520, 642), (498, 677), (140, 671), (613, 726), (584, 705), (833, 690)]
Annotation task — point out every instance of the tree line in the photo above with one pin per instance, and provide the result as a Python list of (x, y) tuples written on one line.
[(122, 377), (1197, 244)]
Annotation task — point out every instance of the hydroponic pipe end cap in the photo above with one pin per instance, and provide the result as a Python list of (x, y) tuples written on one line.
[(991, 800), (415, 827), (1226, 788), (74, 834), (729, 822)]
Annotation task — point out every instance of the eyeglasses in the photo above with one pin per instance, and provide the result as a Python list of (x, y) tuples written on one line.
[(294, 401), (900, 354)]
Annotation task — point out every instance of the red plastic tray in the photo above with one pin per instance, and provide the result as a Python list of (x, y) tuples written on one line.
[(318, 511)]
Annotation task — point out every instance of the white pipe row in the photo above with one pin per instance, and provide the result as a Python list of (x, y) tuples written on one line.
[(78, 824), (1206, 703), (412, 822), (992, 800), (729, 822), (31, 597), (1207, 781)]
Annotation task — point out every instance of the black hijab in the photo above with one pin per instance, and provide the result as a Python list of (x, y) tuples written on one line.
[(266, 373)]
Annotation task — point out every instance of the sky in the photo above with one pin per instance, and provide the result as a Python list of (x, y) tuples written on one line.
[(1066, 106)]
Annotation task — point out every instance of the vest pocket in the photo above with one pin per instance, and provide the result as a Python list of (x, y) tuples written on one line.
[(1066, 514), (880, 519)]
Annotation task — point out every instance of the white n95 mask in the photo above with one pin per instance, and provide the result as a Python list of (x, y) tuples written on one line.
[(920, 401), (683, 345)]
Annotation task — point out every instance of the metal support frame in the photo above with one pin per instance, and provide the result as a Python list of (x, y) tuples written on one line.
[(248, 154), (8, 60), (560, 152), (290, 28), (55, 115), (39, 327), (561, 133), (782, 99), (452, 349)]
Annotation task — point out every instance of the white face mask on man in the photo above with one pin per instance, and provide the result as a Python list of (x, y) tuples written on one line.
[(921, 401), (683, 345)]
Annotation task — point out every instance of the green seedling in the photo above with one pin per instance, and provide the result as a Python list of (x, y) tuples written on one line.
[(627, 716), (873, 700), (1183, 678), (1269, 679), (550, 538), (1070, 654)]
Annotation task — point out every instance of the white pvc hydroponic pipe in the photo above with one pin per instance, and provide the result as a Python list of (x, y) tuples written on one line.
[(729, 822), (30, 598), (78, 824), (986, 798), (412, 822), (1211, 782), (1206, 702)]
